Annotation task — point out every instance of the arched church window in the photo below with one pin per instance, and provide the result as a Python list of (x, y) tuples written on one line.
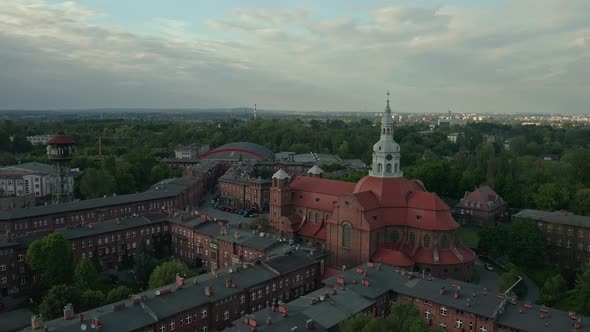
[(379, 168), (388, 168), (346, 229), (396, 168), (412, 237), (388, 131), (444, 242), (426, 241), (316, 218), (384, 130), (394, 236)]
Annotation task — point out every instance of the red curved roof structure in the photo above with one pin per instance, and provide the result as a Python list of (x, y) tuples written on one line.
[(60, 139), (237, 150)]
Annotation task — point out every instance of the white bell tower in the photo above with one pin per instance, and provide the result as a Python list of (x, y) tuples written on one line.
[(386, 154)]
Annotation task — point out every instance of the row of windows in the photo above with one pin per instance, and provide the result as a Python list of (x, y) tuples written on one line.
[(570, 230)]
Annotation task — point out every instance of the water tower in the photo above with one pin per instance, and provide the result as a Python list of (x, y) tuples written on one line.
[(60, 151)]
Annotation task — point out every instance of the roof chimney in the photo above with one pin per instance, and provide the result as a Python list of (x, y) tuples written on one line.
[(457, 294), (268, 321), (309, 325), (283, 310), (229, 283), (36, 322), (442, 291), (179, 281), (68, 311), (208, 291), (365, 282), (341, 281)]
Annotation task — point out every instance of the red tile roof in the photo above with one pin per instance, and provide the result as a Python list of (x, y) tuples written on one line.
[(482, 195), (322, 186), (329, 272), (390, 192), (392, 257), (60, 139)]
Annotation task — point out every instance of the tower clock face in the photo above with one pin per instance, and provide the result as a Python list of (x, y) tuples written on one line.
[(389, 157)]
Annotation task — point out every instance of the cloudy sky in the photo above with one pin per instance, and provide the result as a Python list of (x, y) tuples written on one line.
[(338, 55)]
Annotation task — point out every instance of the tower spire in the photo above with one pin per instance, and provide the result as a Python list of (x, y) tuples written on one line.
[(387, 108)]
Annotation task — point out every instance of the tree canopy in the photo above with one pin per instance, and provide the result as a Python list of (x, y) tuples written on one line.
[(403, 317), (52, 258), (86, 275), (166, 273)]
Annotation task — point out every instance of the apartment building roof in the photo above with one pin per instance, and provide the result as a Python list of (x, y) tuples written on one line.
[(556, 217), (171, 188)]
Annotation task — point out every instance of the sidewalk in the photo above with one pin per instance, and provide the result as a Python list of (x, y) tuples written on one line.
[(15, 320)]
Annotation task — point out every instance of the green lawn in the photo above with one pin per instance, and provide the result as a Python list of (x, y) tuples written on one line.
[(469, 236)]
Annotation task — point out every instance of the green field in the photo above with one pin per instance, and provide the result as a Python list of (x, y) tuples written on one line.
[(469, 236)]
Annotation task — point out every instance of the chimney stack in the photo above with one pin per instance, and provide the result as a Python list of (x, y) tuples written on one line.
[(208, 291), (442, 291), (229, 283), (309, 325), (68, 311), (179, 281), (36, 322)]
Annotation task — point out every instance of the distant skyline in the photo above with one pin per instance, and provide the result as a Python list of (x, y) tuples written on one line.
[(480, 56)]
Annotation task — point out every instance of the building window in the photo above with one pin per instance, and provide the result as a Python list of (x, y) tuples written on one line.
[(172, 325), (388, 168), (379, 167), (346, 235), (204, 313), (483, 329), (412, 239), (443, 311), (226, 315), (427, 314), (443, 327), (426, 241), (459, 324), (570, 232), (580, 233), (394, 236)]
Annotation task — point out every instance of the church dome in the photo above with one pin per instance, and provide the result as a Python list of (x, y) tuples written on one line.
[(390, 192)]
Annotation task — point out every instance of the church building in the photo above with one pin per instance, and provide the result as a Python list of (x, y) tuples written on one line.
[(384, 218)]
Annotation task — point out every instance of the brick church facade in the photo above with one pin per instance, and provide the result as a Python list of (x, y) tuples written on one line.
[(383, 218)]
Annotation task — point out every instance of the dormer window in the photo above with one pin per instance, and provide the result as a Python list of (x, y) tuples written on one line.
[(317, 199), (418, 217)]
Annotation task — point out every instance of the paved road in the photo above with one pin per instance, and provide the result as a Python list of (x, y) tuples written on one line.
[(533, 291), (487, 279), (15, 320)]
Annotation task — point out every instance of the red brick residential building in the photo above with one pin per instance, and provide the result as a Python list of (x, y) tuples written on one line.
[(206, 302), (241, 187), (445, 305), (384, 217), (481, 207), (567, 236)]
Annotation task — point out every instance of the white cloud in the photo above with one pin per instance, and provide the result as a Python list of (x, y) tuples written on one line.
[(514, 56)]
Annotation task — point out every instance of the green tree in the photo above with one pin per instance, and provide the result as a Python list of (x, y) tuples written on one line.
[(507, 279), (358, 323), (96, 183), (581, 293), (581, 202), (58, 296), (433, 173), (144, 266), (86, 275), (527, 245), (52, 258), (551, 197), (158, 173), (7, 158), (90, 299), (117, 294), (402, 316), (261, 223), (166, 273), (494, 240), (553, 290)]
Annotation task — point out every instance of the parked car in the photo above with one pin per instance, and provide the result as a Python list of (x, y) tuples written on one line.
[(489, 267)]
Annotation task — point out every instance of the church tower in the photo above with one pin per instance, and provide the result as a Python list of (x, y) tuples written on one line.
[(386, 154)]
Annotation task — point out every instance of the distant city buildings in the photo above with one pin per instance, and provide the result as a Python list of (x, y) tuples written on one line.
[(39, 139), (28, 178), (191, 151)]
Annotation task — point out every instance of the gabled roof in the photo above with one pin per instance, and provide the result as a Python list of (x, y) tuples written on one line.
[(321, 186), (482, 197), (280, 174), (315, 170)]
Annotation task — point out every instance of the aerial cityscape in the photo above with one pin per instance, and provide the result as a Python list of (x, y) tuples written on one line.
[(289, 166)]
